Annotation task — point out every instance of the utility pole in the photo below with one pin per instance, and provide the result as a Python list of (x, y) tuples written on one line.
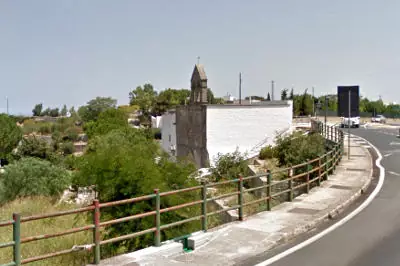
[(326, 107), (272, 90), (313, 102), (240, 88), (198, 60), (348, 137), (7, 105)]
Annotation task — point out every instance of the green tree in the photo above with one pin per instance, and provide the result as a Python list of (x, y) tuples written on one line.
[(33, 146), (31, 176), (144, 97), (93, 108), (284, 94), (268, 97), (46, 112), (254, 97), (170, 98), (229, 166), (10, 135), (297, 148), (64, 111), (37, 110), (122, 164), (210, 96), (291, 97), (54, 112), (107, 121), (72, 111), (306, 104)]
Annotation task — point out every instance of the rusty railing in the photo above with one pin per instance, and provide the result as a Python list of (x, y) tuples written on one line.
[(318, 168)]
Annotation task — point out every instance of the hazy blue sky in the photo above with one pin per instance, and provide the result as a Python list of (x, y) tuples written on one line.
[(69, 52)]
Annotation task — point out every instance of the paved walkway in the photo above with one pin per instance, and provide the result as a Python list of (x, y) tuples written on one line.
[(238, 241)]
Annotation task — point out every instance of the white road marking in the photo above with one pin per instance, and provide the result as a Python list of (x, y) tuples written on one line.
[(339, 223), (387, 155), (394, 143), (393, 173)]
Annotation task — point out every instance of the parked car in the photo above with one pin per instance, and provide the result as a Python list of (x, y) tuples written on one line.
[(378, 119)]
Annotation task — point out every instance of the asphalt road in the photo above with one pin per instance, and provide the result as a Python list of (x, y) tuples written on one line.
[(372, 238)]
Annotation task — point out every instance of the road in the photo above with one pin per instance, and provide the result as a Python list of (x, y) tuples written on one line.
[(372, 237)]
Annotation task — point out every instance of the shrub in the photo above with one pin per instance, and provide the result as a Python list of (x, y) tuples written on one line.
[(267, 152), (122, 165), (35, 147), (45, 128), (72, 133), (30, 177), (297, 148), (107, 121), (229, 166), (10, 135), (68, 148)]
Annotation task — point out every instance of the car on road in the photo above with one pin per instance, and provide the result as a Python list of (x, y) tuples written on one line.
[(352, 121), (378, 119)]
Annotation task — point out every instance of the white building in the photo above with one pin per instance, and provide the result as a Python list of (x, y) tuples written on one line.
[(200, 131), (223, 129)]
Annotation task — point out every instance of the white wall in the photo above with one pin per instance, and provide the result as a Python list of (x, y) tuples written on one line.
[(156, 122), (168, 131), (247, 127)]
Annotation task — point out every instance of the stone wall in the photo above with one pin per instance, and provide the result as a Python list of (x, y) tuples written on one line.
[(191, 137)]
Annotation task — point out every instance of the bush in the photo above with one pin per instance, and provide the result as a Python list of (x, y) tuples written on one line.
[(10, 135), (229, 166), (267, 152), (32, 177), (35, 147), (68, 148), (107, 121), (45, 128), (298, 148), (72, 133), (122, 165)]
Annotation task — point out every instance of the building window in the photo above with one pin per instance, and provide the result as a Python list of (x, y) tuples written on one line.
[(169, 138)]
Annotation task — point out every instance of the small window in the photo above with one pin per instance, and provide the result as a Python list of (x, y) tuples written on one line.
[(169, 137)]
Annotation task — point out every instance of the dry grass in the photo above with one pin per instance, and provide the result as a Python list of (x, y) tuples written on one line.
[(40, 205)]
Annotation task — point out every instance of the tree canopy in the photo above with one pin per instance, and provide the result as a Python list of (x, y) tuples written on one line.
[(123, 164), (144, 97), (37, 110), (10, 135), (93, 108)]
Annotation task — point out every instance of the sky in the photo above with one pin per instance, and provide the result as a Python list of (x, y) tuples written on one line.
[(71, 51)]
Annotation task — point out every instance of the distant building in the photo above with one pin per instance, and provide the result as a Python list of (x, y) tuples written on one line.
[(229, 98)]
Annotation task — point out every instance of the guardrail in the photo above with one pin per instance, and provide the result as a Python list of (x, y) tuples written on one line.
[(316, 171)]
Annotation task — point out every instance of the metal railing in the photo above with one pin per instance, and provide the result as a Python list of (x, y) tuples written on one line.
[(317, 170)]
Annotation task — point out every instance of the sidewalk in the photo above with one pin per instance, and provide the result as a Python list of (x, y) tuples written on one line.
[(238, 241)]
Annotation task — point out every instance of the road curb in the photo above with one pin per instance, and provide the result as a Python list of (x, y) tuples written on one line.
[(329, 215)]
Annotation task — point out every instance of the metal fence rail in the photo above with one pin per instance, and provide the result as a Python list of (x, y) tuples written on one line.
[(317, 170)]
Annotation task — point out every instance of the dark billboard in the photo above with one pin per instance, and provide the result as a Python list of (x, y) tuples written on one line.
[(343, 101)]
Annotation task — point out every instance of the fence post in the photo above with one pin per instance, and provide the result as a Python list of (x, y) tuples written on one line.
[(269, 189), (290, 175), (240, 198), (17, 238), (328, 162), (96, 231), (319, 172), (157, 233), (308, 176), (204, 206)]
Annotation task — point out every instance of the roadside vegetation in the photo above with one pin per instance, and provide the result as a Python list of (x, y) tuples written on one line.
[(120, 161)]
